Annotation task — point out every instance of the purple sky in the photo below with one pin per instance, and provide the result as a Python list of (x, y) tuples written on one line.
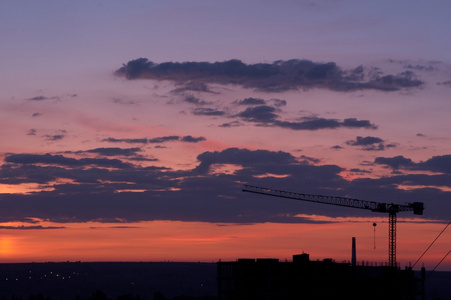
[(345, 98)]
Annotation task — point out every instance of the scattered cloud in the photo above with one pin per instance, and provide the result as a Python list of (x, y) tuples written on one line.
[(56, 137), (370, 143), (208, 112)]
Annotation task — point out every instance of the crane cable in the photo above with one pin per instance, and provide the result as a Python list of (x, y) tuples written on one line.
[(432, 244), (438, 263)]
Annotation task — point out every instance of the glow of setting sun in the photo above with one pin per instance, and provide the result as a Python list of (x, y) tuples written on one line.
[(6, 246)]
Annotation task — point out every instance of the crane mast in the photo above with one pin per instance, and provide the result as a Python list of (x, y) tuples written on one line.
[(390, 208)]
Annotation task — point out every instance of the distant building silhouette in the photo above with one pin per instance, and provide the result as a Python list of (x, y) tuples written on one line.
[(270, 279)]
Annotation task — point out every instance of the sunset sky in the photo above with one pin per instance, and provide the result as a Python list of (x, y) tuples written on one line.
[(128, 128)]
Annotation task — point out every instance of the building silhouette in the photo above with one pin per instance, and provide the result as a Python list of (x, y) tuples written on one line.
[(271, 279)]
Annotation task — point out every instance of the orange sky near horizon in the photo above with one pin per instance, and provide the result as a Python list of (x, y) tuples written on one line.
[(208, 242)]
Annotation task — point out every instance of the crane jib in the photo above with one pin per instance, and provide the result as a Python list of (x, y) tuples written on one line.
[(416, 207)]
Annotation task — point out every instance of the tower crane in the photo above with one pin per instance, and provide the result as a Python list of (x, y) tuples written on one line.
[(390, 208)]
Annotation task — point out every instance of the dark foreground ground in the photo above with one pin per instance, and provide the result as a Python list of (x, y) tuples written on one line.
[(140, 280), (126, 280)]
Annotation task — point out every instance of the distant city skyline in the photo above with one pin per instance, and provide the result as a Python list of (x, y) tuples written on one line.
[(128, 129)]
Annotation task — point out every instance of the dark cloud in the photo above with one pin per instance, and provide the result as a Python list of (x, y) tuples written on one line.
[(310, 123), (365, 141), (395, 162), (420, 67), (124, 102), (270, 77), (251, 101), (261, 113), (104, 193), (36, 114), (267, 115), (190, 139), (208, 112), (261, 102), (231, 124), (279, 102), (31, 227), (360, 171), (156, 140), (353, 122), (309, 159), (370, 143), (129, 141), (43, 98), (49, 159), (38, 98), (194, 100), (441, 164), (115, 151), (242, 157), (56, 137), (31, 132), (316, 123), (195, 87), (164, 139)]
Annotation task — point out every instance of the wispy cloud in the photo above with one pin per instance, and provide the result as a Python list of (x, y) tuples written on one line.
[(156, 140)]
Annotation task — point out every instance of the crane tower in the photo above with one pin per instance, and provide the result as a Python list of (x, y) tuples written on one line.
[(390, 208)]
